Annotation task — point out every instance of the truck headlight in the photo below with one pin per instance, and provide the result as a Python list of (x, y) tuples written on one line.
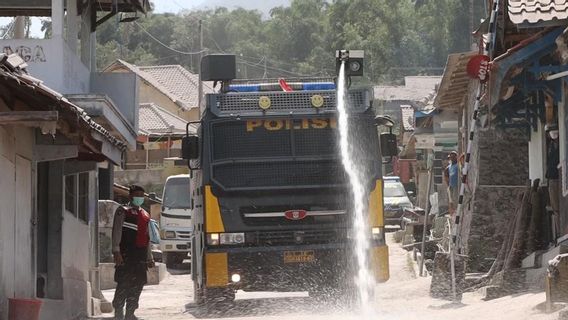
[(232, 238), (213, 239), (170, 234), (378, 234)]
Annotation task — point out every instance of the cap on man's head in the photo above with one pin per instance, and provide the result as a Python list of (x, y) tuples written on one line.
[(550, 127), (452, 152), (134, 188)]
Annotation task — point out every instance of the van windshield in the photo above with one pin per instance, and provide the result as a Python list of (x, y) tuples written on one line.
[(176, 194), (394, 189)]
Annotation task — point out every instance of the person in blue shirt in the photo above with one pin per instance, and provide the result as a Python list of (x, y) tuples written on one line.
[(451, 173)]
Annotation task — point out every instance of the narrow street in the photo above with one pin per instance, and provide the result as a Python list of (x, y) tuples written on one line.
[(405, 296)]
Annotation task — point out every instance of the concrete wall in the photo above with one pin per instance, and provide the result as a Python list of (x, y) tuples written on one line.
[(122, 89), (152, 180), (16, 230), (75, 266)]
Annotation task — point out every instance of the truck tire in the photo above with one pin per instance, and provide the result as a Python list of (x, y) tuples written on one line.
[(218, 296)]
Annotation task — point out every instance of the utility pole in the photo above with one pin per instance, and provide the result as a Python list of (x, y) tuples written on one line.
[(200, 84), (471, 23), (19, 27), (264, 75)]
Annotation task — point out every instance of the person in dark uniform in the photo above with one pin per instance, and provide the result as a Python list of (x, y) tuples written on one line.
[(132, 253), (553, 174)]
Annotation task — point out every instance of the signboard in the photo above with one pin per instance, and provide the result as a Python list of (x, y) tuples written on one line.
[(478, 67)]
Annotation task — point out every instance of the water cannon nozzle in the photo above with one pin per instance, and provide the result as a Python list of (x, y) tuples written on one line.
[(353, 61)]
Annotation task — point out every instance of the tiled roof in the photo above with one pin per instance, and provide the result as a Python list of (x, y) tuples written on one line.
[(180, 85), (535, 12), (415, 89), (155, 120), (455, 84)]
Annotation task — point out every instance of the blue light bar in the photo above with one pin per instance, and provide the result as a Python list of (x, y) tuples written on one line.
[(296, 86), (312, 86), (244, 87)]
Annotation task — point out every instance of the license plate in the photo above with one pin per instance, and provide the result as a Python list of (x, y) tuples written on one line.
[(298, 256)]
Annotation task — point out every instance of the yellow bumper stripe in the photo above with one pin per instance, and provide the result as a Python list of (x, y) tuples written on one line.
[(380, 263), (213, 220), (376, 218), (216, 269)]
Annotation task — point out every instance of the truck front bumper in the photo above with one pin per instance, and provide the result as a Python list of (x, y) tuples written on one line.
[(173, 245), (271, 269)]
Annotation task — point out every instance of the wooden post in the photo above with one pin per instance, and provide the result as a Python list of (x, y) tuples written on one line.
[(169, 145), (426, 213), (147, 157), (15, 117)]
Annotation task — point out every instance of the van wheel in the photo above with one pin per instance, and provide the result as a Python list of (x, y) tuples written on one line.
[(169, 259)]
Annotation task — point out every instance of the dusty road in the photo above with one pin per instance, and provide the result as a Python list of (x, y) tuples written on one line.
[(404, 296)]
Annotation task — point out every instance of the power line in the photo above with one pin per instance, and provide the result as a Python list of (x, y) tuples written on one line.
[(165, 45)]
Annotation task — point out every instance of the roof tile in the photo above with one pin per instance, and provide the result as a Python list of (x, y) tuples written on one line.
[(180, 85), (536, 11), (155, 120)]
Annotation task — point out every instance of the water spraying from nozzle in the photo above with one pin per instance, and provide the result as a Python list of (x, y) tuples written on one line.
[(364, 278)]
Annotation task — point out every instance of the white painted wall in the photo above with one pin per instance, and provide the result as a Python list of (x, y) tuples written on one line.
[(17, 276), (537, 151), (52, 61)]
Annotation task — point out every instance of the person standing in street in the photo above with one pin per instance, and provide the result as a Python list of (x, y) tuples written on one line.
[(552, 174), (132, 254), (451, 174)]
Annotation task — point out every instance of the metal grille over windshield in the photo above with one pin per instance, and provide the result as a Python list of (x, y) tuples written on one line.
[(281, 153)]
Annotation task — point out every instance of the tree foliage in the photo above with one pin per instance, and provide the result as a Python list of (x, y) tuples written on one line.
[(400, 37)]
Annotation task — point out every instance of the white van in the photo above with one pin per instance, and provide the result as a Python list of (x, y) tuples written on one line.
[(175, 220)]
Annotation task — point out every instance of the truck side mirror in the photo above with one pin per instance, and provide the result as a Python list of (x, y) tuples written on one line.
[(190, 147), (389, 146)]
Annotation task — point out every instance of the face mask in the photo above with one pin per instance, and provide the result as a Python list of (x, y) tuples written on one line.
[(137, 201), (553, 134)]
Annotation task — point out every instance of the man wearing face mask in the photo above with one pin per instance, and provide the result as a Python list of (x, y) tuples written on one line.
[(552, 173), (132, 253)]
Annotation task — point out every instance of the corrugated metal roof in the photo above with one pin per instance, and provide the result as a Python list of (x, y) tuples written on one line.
[(455, 82), (155, 120), (534, 13)]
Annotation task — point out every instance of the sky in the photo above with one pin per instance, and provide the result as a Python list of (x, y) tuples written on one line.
[(175, 6), (161, 6)]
